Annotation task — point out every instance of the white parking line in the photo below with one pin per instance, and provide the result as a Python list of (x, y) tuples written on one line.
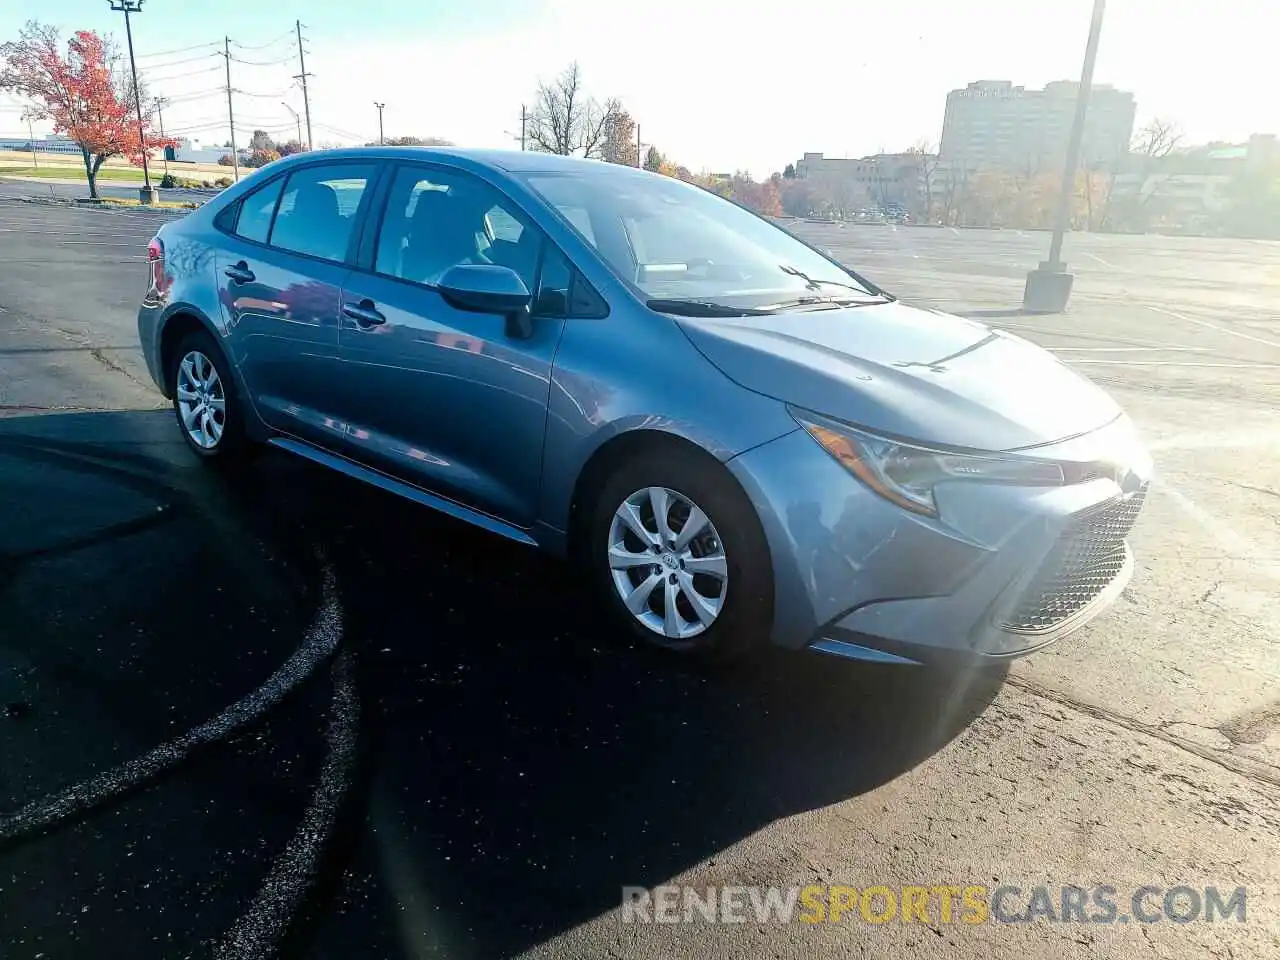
[(1218, 440), (55, 234), (1181, 363), (1231, 542), (318, 645), (1129, 349), (1213, 326), (1131, 341), (1091, 256), (95, 243)]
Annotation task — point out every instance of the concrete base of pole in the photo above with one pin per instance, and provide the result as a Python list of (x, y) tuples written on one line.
[(148, 196), (1048, 288)]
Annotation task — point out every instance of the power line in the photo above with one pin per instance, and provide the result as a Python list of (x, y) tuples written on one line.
[(165, 53), (180, 76), (176, 63), (267, 96), (287, 35), (263, 63), (343, 133), (196, 97)]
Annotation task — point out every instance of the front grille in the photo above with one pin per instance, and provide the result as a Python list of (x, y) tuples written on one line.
[(1088, 556)]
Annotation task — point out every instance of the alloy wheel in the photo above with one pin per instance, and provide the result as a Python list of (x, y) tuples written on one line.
[(202, 400), (667, 563)]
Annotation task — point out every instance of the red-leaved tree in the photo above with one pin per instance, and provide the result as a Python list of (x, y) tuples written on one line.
[(84, 92)]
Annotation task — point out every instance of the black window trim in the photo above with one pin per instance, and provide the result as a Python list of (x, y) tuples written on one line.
[(379, 166), (367, 252)]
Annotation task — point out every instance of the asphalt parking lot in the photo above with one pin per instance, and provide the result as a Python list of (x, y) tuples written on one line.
[(275, 712)]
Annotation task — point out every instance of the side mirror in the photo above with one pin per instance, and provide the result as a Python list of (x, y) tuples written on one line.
[(488, 288)]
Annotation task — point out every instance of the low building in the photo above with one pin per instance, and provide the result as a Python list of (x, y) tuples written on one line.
[(193, 150), (51, 143), (910, 181)]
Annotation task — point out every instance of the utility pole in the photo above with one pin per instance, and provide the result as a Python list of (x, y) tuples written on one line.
[(146, 194), (524, 119), (639, 162), (302, 64), (296, 119), (231, 113), (382, 139), (1048, 287), (160, 102), (26, 115)]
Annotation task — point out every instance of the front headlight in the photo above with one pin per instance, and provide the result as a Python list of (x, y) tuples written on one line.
[(906, 474)]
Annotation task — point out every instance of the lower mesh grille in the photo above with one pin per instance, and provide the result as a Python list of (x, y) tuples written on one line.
[(1088, 556)]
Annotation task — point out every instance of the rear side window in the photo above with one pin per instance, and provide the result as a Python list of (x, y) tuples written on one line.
[(256, 210), (317, 211)]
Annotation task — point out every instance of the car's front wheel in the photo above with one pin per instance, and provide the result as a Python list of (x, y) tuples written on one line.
[(678, 554), (204, 400)]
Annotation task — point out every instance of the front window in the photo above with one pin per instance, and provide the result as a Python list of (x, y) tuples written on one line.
[(679, 245)]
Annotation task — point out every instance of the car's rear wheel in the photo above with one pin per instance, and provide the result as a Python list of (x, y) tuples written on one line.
[(204, 400), (677, 553)]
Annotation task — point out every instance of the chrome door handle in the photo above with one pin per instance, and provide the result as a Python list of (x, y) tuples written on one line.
[(363, 313)]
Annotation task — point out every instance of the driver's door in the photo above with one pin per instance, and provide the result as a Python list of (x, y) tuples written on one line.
[(434, 395)]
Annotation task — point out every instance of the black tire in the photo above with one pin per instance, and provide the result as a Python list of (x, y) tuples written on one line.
[(746, 617), (232, 445)]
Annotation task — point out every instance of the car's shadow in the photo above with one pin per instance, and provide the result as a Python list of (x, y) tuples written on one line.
[(520, 762)]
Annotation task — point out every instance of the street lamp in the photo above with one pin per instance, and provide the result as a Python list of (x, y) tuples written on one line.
[(31, 133), (296, 119), (1049, 285), (147, 194), (160, 102), (382, 140)]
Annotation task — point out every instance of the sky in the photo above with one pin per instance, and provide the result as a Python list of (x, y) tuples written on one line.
[(715, 85)]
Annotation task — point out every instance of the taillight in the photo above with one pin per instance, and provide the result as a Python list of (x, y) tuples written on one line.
[(155, 262)]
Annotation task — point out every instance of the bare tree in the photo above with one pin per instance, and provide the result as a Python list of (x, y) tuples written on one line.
[(954, 186), (1151, 147), (565, 120), (926, 161), (1155, 141)]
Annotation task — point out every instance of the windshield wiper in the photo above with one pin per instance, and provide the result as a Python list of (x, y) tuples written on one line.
[(880, 296), (827, 303), (704, 308), (819, 284)]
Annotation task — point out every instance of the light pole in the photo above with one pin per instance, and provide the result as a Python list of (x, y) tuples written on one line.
[(147, 194), (382, 140), (1048, 286), (26, 115), (160, 102), (296, 119)]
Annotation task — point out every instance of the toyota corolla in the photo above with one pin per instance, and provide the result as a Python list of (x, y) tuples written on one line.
[(741, 440)]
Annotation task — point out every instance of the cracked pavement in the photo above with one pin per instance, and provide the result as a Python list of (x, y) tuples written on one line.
[(514, 769)]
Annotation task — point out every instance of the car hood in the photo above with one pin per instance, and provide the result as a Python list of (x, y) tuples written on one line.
[(906, 372)]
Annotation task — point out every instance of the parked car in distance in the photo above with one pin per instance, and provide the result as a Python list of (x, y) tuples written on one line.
[(741, 440)]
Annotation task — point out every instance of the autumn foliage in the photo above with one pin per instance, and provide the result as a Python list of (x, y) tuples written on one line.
[(83, 92)]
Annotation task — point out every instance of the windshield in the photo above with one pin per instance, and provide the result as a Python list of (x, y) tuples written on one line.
[(677, 242)]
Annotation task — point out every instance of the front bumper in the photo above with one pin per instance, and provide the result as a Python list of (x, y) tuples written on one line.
[(1003, 572)]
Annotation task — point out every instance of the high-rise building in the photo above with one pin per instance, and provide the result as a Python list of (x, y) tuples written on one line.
[(993, 124)]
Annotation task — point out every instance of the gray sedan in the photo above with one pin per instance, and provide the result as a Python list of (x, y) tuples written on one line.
[(742, 441)]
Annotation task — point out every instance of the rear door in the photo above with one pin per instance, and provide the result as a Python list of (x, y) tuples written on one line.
[(281, 272)]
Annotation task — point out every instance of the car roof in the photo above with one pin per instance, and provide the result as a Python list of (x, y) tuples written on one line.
[(509, 161)]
